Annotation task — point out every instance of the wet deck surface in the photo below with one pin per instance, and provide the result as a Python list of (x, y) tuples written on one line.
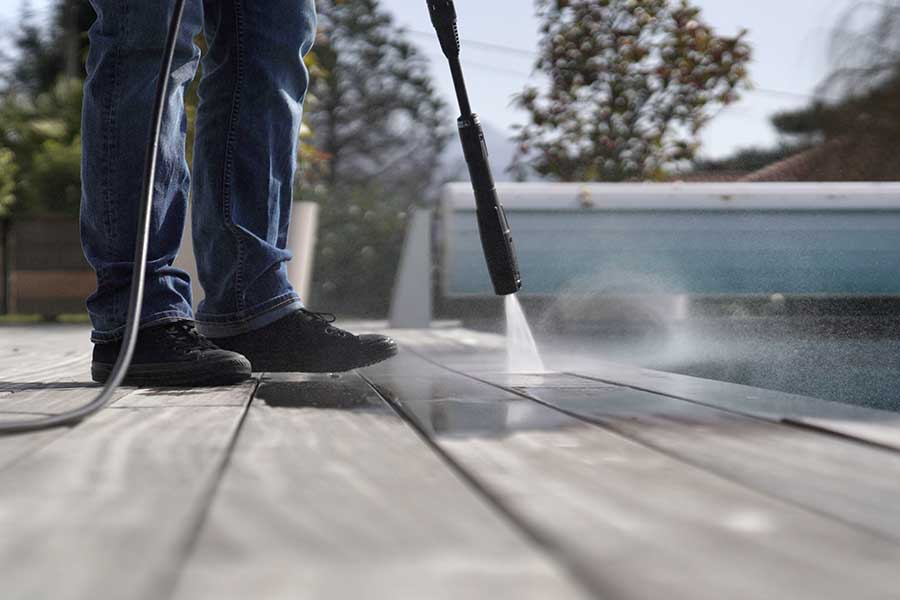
[(440, 475)]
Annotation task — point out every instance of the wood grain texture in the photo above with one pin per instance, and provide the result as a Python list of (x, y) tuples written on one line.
[(42, 371), (27, 405), (107, 509), (848, 481), (867, 424), (482, 353), (29, 352), (329, 494), (635, 522)]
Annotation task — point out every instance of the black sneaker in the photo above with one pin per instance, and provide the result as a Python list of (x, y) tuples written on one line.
[(307, 342), (172, 354)]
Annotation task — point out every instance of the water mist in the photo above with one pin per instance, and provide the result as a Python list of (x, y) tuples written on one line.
[(522, 355)]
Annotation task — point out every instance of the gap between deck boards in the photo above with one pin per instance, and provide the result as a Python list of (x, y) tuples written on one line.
[(547, 543), (886, 529), (634, 521)]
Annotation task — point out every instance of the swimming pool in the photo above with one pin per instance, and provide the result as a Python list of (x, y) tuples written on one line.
[(838, 240)]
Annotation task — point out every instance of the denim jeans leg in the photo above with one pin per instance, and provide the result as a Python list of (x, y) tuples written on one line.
[(126, 47), (251, 95)]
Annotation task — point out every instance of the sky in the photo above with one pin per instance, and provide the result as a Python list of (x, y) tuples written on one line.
[(790, 40)]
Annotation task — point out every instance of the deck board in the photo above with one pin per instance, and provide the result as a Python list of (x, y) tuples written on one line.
[(31, 351), (42, 371), (633, 521), (33, 404), (450, 478), (108, 507), (867, 424), (475, 352), (833, 475), (329, 494), (839, 477)]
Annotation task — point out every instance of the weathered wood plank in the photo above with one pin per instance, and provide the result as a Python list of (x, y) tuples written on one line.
[(16, 396), (53, 389), (849, 481), (33, 353), (203, 397), (108, 509), (52, 339), (633, 521), (329, 494), (15, 447), (867, 424)]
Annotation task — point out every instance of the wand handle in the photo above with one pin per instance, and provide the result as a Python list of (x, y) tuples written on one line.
[(496, 237)]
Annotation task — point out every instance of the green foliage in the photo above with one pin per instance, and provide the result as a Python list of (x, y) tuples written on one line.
[(43, 56), (865, 78), (376, 115), (379, 129), (859, 123), (8, 171), (53, 184), (43, 137), (631, 83), (370, 149), (360, 240), (40, 114)]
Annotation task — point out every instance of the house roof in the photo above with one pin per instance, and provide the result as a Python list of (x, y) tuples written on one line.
[(848, 158)]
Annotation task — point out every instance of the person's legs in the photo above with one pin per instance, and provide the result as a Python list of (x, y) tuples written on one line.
[(253, 86), (251, 95), (127, 42), (126, 48), (248, 126)]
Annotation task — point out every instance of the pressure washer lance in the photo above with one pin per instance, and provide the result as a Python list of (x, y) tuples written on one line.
[(75, 416), (496, 237)]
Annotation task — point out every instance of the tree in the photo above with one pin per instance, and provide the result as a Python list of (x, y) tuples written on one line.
[(380, 127), (866, 79), (8, 170), (40, 114), (43, 137), (629, 86), (43, 56), (855, 130)]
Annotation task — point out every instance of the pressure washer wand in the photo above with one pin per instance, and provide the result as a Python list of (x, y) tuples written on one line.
[(496, 237)]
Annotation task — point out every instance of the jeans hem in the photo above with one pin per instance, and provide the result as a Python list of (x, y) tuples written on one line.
[(114, 335), (266, 313)]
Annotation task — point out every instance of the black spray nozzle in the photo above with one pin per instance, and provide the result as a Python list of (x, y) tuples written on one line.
[(443, 17), (496, 236)]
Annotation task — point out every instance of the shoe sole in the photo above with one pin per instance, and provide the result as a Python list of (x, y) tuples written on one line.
[(208, 374), (374, 355)]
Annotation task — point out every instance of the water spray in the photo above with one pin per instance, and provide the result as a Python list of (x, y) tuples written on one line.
[(496, 237)]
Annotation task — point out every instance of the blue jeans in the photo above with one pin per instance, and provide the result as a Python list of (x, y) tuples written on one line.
[(251, 95)]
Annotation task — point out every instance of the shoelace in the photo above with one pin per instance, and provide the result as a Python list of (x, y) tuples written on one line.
[(184, 335), (326, 319)]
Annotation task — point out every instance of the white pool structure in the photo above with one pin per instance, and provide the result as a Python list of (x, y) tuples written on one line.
[(684, 239)]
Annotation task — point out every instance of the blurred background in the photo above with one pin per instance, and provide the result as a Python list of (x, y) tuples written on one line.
[(782, 292)]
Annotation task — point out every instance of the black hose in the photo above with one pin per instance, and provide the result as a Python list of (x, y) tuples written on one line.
[(75, 416)]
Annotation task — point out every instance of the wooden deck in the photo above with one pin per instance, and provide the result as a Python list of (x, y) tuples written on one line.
[(439, 475)]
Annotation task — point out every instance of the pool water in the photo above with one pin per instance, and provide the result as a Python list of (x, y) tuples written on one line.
[(689, 252)]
